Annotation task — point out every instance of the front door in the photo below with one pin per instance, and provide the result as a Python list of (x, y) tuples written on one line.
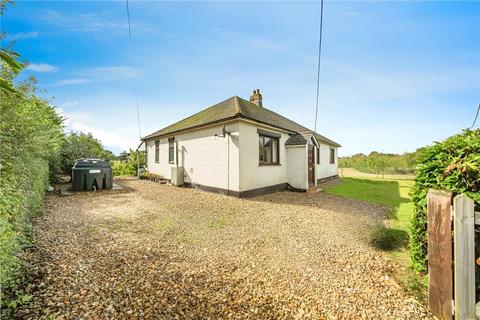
[(311, 166)]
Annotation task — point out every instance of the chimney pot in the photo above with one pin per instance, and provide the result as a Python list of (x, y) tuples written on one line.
[(256, 97)]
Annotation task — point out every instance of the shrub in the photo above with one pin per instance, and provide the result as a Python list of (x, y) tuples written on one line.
[(452, 165), (152, 177), (128, 167)]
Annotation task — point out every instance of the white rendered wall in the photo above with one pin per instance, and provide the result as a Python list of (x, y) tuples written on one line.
[(205, 158), (297, 166), (325, 169), (253, 175)]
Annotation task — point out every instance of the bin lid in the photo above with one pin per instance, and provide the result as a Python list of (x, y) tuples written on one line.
[(91, 163)]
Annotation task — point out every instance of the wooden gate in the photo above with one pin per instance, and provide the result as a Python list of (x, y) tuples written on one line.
[(443, 287)]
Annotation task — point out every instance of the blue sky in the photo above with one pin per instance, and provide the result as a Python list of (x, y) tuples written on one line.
[(395, 75)]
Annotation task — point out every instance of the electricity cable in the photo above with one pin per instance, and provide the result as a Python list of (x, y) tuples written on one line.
[(318, 67), (476, 116), (131, 51)]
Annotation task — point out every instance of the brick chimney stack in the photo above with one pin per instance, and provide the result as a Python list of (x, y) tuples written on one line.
[(256, 98)]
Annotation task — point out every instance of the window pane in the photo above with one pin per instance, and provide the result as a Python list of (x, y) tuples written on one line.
[(268, 149), (261, 150), (170, 150), (157, 151), (275, 150)]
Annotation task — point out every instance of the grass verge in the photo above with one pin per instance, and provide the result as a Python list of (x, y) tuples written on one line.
[(391, 237)]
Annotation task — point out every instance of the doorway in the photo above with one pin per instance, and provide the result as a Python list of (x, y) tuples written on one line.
[(311, 166)]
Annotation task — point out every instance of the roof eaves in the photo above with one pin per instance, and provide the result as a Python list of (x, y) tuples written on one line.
[(326, 140)]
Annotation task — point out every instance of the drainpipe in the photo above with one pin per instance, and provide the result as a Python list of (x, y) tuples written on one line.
[(228, 164), (138, 158), (176, 153)]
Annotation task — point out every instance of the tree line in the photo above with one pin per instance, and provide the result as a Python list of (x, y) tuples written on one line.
[(377, 162)]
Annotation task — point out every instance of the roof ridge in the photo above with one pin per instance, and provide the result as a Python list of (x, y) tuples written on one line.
[(236, 104), (189, 117)]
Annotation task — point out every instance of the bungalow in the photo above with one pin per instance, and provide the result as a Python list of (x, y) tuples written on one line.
[(240, 148)]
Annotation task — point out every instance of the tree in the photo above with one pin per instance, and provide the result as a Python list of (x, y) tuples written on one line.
[(10, 65), (81, 145)]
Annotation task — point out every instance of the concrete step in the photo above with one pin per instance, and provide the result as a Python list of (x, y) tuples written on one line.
[(314, 190)]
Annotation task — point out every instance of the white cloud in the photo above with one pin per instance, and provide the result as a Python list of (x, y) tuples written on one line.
[(42, 67), (352, 13), (68, 104), (116, 139), (90, 22), (24, 35), (100, 74), (108, 138), (111, 73), (73, 81)]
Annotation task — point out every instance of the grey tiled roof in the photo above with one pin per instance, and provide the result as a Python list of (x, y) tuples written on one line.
[(296, 140), (236, 107)]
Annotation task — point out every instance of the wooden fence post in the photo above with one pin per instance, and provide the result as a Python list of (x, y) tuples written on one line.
[(464, 253), (440, 253)]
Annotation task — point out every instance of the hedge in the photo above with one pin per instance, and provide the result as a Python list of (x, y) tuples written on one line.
[(30, 137), (452, 165)]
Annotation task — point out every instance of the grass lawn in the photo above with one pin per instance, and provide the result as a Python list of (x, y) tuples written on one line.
[(393, 237), (390, 193)]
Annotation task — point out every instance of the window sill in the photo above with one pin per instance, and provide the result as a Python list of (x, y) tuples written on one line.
[(268, 164), (171, 162)]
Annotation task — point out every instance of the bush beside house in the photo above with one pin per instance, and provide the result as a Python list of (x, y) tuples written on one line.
[(452, 165)]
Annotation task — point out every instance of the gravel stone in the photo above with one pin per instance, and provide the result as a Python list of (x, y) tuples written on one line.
[(154, 251)]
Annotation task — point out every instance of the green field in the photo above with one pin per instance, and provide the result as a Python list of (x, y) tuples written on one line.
[(393, 237)]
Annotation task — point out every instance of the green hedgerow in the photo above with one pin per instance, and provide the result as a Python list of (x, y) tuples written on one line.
[(452, 165), (31, 134)]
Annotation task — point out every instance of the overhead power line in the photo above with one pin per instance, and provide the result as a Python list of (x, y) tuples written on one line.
[(319, 58), (128, 18), (131, 52), (476, 116)]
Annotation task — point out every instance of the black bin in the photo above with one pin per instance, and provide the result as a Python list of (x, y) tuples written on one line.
[(91, 174)]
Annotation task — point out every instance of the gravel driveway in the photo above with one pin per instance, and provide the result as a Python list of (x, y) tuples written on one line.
[(159, 252)]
